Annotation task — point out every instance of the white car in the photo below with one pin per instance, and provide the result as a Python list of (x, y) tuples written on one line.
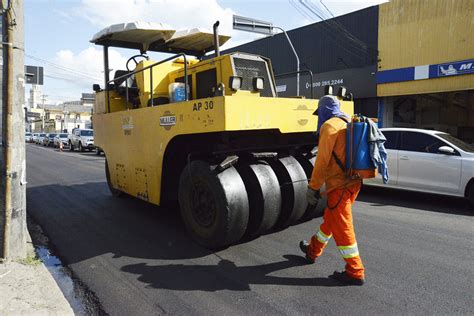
[(428, 161), (61, 138), (28, 137), (40, 138), (81, 139)]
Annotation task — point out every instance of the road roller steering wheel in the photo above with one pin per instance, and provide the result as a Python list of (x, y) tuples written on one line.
[(134, 58)]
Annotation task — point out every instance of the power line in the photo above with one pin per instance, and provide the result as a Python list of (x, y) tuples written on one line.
[(62, 78), (58, 66), (326, 8), (69, 70), (302, 12), (335, 24), (332, 28), (67, 75)]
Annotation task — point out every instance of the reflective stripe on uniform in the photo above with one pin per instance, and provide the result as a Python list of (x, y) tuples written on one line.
[(322, 237), (349, 251)]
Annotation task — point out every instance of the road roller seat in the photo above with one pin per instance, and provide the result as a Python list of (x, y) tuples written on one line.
[(122, 83)]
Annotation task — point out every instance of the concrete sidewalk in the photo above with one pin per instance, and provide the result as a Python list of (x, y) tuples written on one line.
[(28, 288)]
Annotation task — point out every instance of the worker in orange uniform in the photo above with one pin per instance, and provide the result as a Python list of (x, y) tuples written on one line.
[(341, 193)]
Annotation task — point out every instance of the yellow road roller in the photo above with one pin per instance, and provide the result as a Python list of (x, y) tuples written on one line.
[(206, 132)]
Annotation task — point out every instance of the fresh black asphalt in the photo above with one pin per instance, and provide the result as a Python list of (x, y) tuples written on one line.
[(138, 259)]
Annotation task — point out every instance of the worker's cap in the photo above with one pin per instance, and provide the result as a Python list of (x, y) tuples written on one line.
[(328, 103)]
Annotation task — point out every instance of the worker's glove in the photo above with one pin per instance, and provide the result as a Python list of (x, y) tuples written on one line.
[(313, 196)]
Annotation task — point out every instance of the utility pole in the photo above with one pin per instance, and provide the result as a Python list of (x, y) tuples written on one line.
[(13, 230), (42, 113)]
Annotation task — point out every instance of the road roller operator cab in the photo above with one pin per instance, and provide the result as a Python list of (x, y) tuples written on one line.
[(207, 134)]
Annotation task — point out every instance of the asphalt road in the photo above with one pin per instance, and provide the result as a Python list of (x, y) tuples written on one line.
[(138, 260)]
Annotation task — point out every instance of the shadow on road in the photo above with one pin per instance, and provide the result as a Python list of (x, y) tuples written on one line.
[(223, 276), (84, 221), (90, 154), (379, 196)]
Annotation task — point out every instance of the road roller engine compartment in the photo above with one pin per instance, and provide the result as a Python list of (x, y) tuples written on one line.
[(208, 134)]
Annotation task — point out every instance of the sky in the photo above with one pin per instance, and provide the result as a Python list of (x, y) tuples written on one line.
[(57, 32)]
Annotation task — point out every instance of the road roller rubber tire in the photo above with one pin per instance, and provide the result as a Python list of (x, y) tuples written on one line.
[(308, 165), (214, 208), (114, 191), (264, 196), (293, 186)]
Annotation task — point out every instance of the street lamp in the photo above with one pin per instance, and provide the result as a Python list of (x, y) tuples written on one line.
[(256, 26)]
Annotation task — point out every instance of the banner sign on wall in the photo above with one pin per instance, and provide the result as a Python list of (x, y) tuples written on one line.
[(359, 81), (455, 68)]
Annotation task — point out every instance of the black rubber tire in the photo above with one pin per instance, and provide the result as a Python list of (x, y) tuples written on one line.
[(470, 196), (308, 165), (114, 191), (223, 194), (264, 196), (71, 147), (293, 186), (97, 151), (80, 147)]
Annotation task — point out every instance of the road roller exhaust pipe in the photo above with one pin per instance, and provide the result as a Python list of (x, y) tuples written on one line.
[(216, 38)]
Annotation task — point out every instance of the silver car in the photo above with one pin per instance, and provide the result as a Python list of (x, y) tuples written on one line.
[(40, 138), (28, 137), (428, 161), (61, 138)]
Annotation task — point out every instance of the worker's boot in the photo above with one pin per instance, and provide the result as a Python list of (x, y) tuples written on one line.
[(343, 277), (304, 245)]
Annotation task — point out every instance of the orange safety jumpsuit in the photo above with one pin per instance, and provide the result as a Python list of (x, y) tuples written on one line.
[(341, 194)]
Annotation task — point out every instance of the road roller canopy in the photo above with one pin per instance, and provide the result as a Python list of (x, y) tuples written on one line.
[(157, 37)]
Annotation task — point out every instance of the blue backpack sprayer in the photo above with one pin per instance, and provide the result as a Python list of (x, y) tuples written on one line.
[(359, 164)]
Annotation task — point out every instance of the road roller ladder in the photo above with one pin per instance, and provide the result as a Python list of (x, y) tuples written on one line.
[(209, 135)]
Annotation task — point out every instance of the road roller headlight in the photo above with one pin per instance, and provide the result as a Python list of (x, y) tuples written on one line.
[(235, 83), (257, 83), (341, 93), (329, 90)]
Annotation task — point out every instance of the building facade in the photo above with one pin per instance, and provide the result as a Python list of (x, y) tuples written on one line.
[(334, 56), (61, 118), (409, 63), (64, 117), (425, 75), (36, 95)]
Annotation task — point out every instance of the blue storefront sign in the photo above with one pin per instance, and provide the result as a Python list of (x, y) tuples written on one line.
[(455, 68)]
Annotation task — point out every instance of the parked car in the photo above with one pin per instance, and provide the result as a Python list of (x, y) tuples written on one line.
[(40, 138), (28, 137), (61, 138), (49, 139), (81, 139), (35, 137), (428, 161)]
